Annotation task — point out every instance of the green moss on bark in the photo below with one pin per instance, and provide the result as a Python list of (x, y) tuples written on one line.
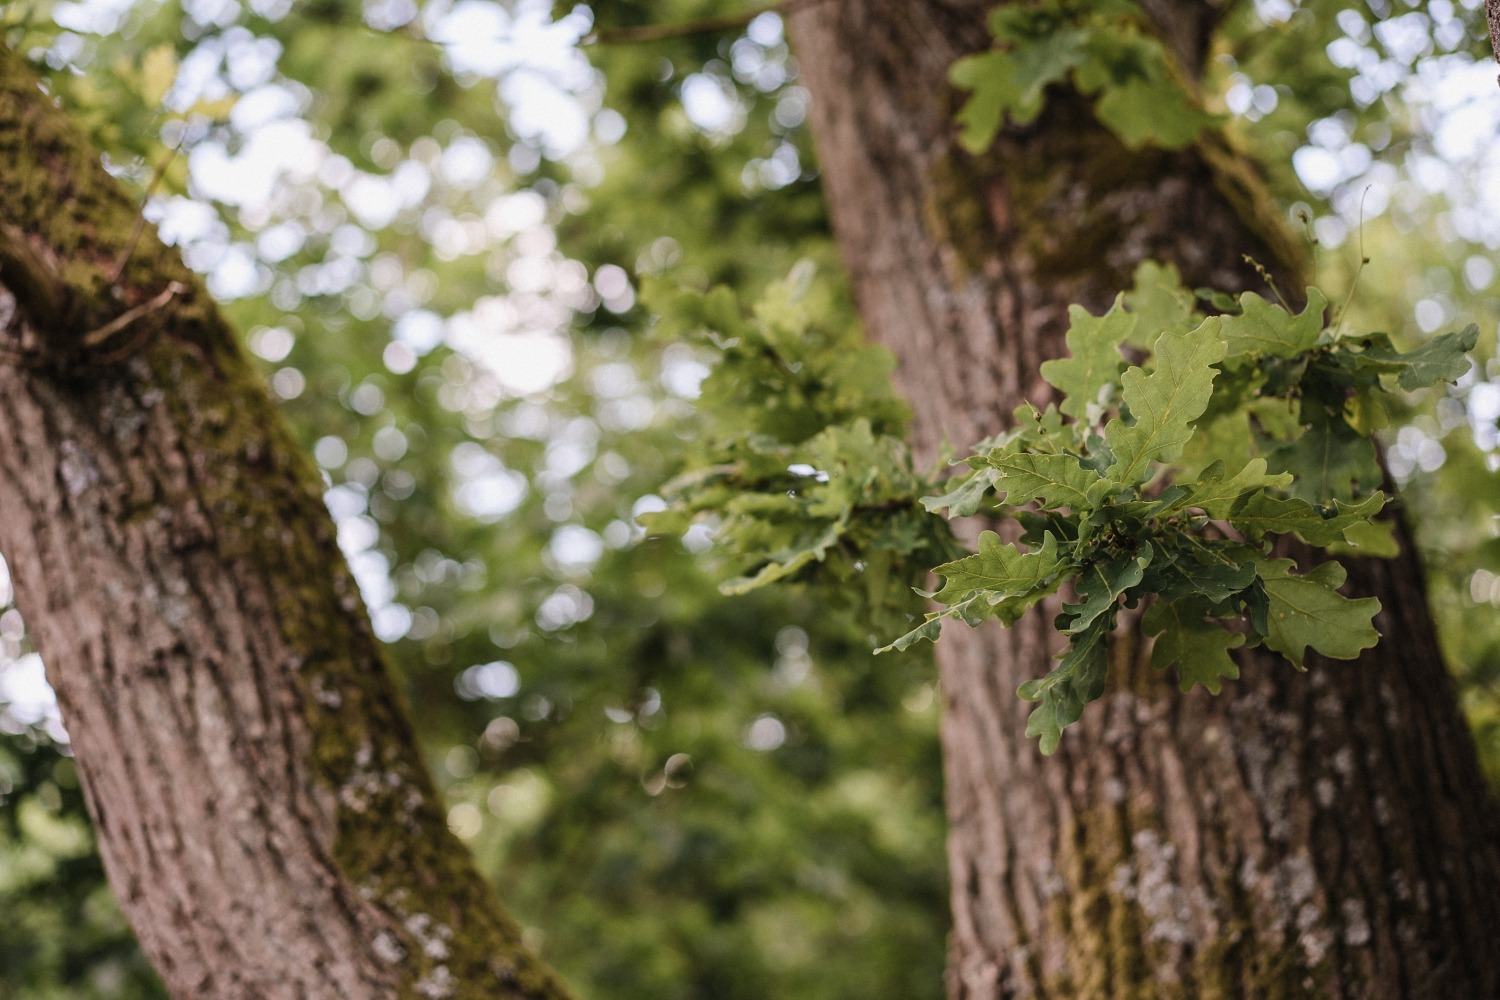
[(248, 499), (1123, 914)]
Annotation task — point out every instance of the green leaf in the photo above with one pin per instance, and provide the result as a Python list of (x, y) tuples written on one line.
[(1164, 403), (1369, 538), (1441, 359), (1094, 356), (1216, 495), (1130, 515), (1266, 329), (1055, 480), (1327, 459), (1077, 680), (1307, 611), (1159, 302), (786, 562), (1101, 583), (1216, 574), (929, 630), (1259, 514), (998, 570), (1009, 85), (964, 499), (1155, 111), (1199, 648), (1010, 609)]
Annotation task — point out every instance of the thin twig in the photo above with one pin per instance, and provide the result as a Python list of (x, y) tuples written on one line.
[(1343, 310), (96, 337), (1265, 274), (140, 218)]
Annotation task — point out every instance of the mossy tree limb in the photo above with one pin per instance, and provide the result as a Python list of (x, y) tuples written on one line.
[(260, 801)]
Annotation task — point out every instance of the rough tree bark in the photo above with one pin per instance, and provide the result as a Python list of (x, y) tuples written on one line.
[(1326, 834), (1492, 15), (261, 805)]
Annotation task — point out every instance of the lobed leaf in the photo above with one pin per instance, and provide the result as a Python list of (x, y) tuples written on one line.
[(1077, 680), (1216, 573), (964, 499), (1441, 359), (1265, 329), (1164, 403), (1158, 112), (1160, 303), (998, 570), (1055, 480), (1198, 647), (786, 562), (1093, 360), (1260, 514), (929, 630), (1101, 584), (1008, 86), (1216, 495), (1328, 459), (1308, 611)]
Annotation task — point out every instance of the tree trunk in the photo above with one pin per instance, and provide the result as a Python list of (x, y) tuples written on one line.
[(1324, 834), (261, 805)]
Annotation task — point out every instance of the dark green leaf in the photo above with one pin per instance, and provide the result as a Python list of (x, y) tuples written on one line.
[(1215, 574), (1077, 680), (1441, 359), (1328, 459), (1198, 647), (1101, 583)]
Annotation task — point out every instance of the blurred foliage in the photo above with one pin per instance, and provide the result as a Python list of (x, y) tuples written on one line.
[(63, 936), (681, 795)]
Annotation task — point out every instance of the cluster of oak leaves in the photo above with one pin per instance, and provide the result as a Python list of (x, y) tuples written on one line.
[(1168, 479)]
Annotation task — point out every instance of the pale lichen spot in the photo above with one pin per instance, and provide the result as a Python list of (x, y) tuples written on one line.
[(1343, 761), (77, 468), (387, 948), (437, 984), (1356, 927), (1315, 945)]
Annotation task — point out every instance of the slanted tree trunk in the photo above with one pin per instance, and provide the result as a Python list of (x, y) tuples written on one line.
[(261, 805), (1324, 834)]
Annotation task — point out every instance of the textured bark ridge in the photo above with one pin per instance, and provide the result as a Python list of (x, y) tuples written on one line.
[(1492, 15), (1324, 834), (260, 802)]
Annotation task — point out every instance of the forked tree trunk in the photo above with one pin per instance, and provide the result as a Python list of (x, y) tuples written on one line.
[(261, 805), (1324, 834)]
